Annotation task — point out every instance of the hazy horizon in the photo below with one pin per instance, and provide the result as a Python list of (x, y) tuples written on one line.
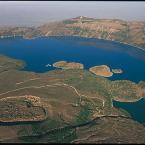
[(39, 12)]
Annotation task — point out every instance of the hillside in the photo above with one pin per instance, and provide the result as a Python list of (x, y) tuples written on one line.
[(132, 32), (66, 106), (128, 32)]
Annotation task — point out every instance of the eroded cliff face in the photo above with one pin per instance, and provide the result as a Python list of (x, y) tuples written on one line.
[(132, 32)]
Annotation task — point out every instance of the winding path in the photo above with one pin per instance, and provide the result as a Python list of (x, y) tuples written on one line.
[(53, 85)]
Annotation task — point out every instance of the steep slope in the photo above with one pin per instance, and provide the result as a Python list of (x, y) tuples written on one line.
[(123, 31)]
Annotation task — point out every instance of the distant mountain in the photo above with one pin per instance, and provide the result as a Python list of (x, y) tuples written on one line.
[(132, 32)]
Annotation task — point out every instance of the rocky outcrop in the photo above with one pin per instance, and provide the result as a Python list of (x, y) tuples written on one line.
[(21, 109)]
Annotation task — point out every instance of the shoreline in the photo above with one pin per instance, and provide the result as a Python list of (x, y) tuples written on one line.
[(129, 44), (97, 38), (130, 101), (125, 44)]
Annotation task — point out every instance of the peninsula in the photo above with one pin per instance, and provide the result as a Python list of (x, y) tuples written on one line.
[(7, 63)]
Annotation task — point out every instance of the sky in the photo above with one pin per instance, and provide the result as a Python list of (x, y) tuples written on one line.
[(29, 13)]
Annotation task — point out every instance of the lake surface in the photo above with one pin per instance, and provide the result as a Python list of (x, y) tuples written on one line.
[(136, 109), (39, 52)]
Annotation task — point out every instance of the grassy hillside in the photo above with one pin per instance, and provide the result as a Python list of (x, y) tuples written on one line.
[(70, 105)]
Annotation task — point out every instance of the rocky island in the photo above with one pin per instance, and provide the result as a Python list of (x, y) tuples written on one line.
[(101, 70), (68, 65), (117, 71)]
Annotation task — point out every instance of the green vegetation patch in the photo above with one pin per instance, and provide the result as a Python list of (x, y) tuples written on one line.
[(124, 90)]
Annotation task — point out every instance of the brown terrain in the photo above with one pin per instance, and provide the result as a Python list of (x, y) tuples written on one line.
[(101, 70)]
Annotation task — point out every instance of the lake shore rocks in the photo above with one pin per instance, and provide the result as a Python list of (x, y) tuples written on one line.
[(117, 71)]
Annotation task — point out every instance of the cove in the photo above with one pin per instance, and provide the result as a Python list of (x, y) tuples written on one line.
[(136, 109), (39, 52)]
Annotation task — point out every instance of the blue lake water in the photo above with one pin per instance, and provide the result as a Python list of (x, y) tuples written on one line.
[(136, 109), (39, 52)]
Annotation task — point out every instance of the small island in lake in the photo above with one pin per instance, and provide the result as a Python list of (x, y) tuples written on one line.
[(117, 71), (101, 70), (68, 65)]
